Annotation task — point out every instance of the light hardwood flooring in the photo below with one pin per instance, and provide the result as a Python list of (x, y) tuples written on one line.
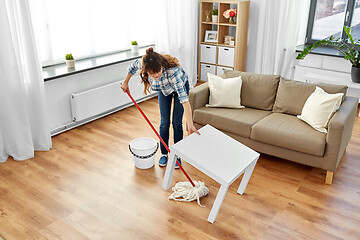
[(87, 187)]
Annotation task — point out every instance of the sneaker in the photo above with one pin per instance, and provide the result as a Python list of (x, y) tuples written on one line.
[(176, 164), (163, 161)]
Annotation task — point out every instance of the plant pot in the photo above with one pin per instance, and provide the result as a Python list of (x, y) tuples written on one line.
[(214, 18), (134, 48), (355, 74), (70, 63)]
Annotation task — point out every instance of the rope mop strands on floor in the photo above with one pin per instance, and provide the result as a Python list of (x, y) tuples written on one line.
[(185, 192)]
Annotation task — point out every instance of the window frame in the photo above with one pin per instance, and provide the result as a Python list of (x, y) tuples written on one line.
[(347, 20)]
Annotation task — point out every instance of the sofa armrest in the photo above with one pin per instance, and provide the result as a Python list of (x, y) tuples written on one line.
[(199, 96), (339, 131)]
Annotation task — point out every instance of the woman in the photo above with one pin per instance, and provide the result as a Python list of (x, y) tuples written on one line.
[(164, 74)]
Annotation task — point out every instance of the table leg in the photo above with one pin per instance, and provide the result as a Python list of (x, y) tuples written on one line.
[(217, 204), (169, 171), (246, 177)]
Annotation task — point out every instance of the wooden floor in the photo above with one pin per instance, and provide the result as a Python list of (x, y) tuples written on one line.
[(87, 187)]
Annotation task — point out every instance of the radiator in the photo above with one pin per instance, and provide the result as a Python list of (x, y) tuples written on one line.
[(96, 101)]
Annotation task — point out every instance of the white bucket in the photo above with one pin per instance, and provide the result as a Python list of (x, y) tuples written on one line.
[(143, 150)]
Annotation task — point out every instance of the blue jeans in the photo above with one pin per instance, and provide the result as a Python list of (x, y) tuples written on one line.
[(178, 112)]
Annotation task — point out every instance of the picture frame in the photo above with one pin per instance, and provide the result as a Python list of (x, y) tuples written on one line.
[(211, 36), (228, 39)]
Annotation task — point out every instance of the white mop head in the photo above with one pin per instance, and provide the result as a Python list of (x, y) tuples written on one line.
[(185, 192)]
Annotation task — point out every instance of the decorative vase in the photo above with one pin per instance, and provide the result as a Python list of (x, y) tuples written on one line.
[(134, 48), (214, 18), (355, 74), (231, 20), (70, 63)]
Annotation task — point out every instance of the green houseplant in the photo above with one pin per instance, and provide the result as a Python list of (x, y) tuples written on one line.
[(134, 47), (350, 50), (215, 13), (70, 61)]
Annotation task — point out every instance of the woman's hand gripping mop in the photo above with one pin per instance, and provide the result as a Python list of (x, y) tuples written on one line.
[(183, 191)]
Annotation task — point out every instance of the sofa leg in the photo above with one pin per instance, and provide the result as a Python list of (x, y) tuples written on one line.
[(329, 177)]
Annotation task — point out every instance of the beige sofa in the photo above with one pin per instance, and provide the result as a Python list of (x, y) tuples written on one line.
[(268, 123)]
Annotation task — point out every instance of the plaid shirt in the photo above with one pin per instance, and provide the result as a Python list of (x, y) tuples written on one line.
[(172, 79)]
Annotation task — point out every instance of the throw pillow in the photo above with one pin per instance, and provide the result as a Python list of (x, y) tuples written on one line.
[(224, 92), (319, 108)]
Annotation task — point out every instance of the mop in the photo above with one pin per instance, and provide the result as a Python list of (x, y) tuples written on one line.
[(183, 191)]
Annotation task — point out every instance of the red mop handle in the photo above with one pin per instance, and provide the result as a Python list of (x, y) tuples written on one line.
[(182, 169)]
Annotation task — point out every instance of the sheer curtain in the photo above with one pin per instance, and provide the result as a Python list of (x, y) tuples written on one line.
[(24, 124), (280, 26), (90, 27), (177, 33)]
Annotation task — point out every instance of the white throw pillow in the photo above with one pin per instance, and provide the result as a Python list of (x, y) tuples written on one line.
[(224, 92), (319, 107)]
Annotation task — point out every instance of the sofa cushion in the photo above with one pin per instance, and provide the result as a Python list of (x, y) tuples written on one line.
[(258, 90), (289, 132), (292, 95), (237, 121)]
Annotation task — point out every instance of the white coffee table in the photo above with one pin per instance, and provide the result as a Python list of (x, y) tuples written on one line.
[(217, 155)]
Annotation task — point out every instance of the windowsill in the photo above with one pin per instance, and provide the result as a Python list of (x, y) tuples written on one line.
[(325, 51), (61, 70)]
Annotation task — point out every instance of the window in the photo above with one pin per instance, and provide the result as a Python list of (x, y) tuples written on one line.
[(328, 18), (90, 27)]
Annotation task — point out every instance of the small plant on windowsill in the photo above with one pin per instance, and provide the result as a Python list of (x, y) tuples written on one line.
[(350, 50), (134, 47), (70, 61)]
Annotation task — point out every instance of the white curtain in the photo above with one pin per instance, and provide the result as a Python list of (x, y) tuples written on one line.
[(24, 124), (177, 33), (280, 26), (89, 27)]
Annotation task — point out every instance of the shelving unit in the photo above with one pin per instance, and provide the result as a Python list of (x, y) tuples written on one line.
[(215, 57)]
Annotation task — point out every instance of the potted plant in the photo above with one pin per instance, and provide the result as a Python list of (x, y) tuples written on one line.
[(215, 13), (134, 47), (70, 61), (350, 50)]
